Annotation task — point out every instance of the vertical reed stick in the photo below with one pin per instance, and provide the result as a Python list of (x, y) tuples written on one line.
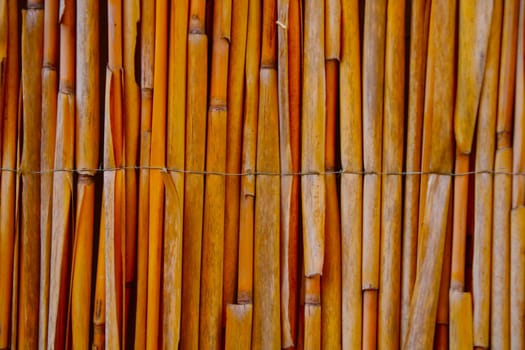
[(4, 32), (99, 312), (312, 327), (147, 48), (234, 123), (86, 157), (210, 336), (238, 327), (8, 179), (517, 290), (419, 20), (266, 313), (313, 138), (194, 183), (460, 321), (441, 338), (249, 149), (373, 69), (331, 279), (351, 184), (391, 200), (175, 147), (49, 116), (63, 182), (32, 51), (131, 19)]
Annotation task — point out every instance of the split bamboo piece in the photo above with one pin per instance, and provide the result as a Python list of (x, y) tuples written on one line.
[(9, 179), (147, 49), (313, 138), (31, 61), (517, 238), (62, 224), (389, 310), (419, 22), (331, 336), (49, 116), (158, 160), (194, 183), (312, 327), (460, 320), (86, 157), (210, 332), (99, 312), (239, 29), (266, 332), (175, 147), (373, 70), (238, 327), (249, 153), (131, 19), (351, 183), (4, 32)]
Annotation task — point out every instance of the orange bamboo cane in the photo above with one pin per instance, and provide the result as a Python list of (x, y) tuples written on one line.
[(4, 32), (351, 184), (32, 51), (312, 310), (194, 183), (8, 179), (49, 116), (99, 312), (238, 327)]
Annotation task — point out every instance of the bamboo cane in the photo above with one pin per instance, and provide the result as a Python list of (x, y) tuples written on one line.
[(147, 64), (32, 45), (313, 138), (238, 327), (99, 307), (249, 153), (419, 21), (460, 320), (239, 25), (517, 290), (266, 312), (62, 181), (175, 147), (373, 69), (210, 336), (49, 115), (8, 179), (4, 32), (331, 279), (312, 327), (131, 18), (389, 309), (194, 183), (351, 184)]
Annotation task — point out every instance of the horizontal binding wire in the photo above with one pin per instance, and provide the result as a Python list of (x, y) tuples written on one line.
[(257, 173)]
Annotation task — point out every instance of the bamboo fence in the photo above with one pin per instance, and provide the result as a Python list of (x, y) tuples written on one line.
[(266, 174)]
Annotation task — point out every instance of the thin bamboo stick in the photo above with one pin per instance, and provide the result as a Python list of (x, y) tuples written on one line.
[(517, 289), (236, 74), (175, 147), (32, 52), (86, 157), (266, 313), (147, 48), (210, 334), (351, 184), (8, 179), (194, 183), (313, 138), (460, 320), (312, 327), (419, 22), (238, 327), (63, 182), (49, 116), (99, 312), (389, 309), (4, 32), (131, 19), (249, 153)]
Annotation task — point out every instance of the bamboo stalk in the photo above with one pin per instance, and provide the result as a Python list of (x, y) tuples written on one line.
[(210, 334), (249, 153), (238, 327), (351, 184), (131, 19), (239, 28), (312, 327), (86, 157), (99, 312), (8, 179), (175, 147), (460, 320), (194, 183), (517, 290), (147, 64), (389, 309), (49, 116), (32, 52), (4, 32), (313, 138), (63, 182), (419, 22), (266, 312)]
